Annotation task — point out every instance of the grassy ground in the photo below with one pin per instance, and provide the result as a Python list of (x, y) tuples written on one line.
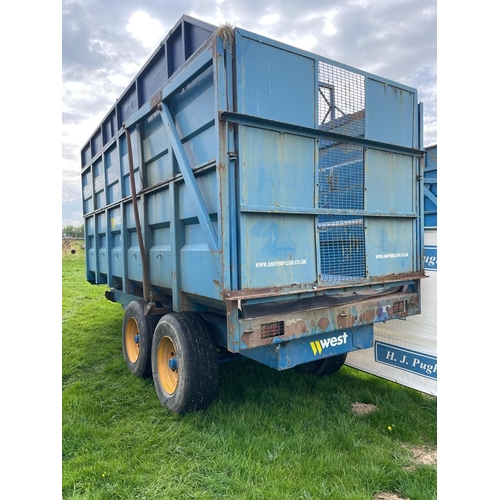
[(268, 435)]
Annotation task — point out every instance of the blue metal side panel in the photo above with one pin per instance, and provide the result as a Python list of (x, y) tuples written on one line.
[(102, 251), (124, 163), (198, 273), (112, 177), (128, 104), (87, 192), (115, 244), (90, 248), (96, 141), (133, 264), (273, 83), (160, 253), (158, 208), (277, 250), (389, 182), (194, 107), (200, 149), (86, 154), (390, 114), (390, 250), (160, 258), (390, 187), (156, 153), (430, 187), (115, 219), (100, 200), (276, 170), (153, 77), (110, 127), (208, 187), (194, 116), (133, 260)]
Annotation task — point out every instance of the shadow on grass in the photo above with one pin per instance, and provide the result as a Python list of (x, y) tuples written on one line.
[(248, 390)]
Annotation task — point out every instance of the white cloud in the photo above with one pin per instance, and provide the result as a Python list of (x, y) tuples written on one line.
[(269, 19), (119, 80), (304, 42), (144, 28), (329, 27), (101, 47), (124, 75)]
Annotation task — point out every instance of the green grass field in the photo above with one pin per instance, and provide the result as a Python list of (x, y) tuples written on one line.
[(268, 435)]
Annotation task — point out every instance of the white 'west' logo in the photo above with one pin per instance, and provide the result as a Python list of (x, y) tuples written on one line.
[(318, 345)]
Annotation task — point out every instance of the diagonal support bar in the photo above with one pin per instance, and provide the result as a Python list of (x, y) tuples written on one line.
[(432, 197), (189, 179)]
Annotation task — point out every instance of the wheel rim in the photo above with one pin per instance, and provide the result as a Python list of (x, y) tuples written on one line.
[(132, 340), (167, 365)]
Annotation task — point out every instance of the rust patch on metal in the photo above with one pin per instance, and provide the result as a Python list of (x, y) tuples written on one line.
[(155, 100), (295, 327), (246, 339), (368, 316), (345, 320), (323, 323), (272, 291)]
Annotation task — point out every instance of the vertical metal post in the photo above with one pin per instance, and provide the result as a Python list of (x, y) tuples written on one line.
[(144, 258), (176, 244)]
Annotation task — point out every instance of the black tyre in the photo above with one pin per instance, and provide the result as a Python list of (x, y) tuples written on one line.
[(324, 366), (184, 363), (137, 337)]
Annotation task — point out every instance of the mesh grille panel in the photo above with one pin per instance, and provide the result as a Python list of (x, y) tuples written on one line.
[(341, 100), (341, 175)]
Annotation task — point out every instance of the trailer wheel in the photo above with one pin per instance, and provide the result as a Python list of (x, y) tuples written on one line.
[(324, 366), (137, 336), (184, 363)]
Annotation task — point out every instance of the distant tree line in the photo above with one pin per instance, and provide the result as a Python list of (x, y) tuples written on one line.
[(73, 231)]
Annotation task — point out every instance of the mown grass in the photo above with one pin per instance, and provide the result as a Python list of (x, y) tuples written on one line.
[(268, 435)]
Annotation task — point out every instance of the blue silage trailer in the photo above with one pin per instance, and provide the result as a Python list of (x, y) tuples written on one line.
[(246, 198)]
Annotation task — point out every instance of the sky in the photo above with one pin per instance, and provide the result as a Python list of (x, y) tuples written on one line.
[(105, 44)]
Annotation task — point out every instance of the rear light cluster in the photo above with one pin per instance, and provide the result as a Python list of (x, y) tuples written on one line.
[(399, 307), (272, 330)]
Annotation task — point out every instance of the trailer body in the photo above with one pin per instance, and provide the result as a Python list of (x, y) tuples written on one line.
[(275, 193)]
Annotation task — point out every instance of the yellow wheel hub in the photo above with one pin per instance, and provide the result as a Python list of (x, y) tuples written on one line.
[(167, 365), (132, 340)]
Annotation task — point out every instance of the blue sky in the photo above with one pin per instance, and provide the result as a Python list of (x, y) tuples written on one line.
[(104, 44)]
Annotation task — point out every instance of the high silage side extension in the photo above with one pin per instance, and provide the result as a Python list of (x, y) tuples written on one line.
[(243, 196)]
